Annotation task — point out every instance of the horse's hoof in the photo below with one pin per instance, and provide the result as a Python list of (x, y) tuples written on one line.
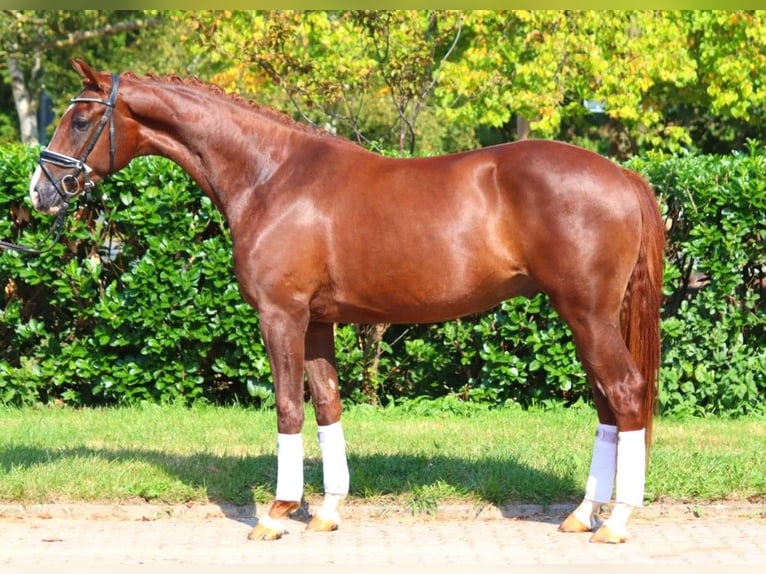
[(318, 524), (573, 524), (606, 535), (263, 532)]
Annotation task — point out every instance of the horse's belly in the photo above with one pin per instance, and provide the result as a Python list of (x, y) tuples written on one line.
[(403, 304)]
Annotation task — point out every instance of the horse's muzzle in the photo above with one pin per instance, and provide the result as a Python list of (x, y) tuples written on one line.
[(43, 194)]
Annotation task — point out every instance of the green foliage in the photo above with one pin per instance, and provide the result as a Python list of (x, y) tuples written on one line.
[(430, 80), (519, 353), (714, 330), (140, 304), (367, 74), (667, 79), (36, 47)]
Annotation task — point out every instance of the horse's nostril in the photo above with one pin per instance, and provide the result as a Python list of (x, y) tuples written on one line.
[(40, 203)]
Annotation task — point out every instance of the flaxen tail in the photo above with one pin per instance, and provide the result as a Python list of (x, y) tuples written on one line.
[(640, 313)]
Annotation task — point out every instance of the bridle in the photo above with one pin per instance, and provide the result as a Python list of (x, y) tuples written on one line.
[(68, 187)]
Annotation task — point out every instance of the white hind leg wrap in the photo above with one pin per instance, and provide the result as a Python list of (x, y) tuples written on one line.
[(598, 488), (631, 467), (603, 465), (631, 475)]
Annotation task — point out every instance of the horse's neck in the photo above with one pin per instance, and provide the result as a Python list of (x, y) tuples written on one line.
[(225, 147)]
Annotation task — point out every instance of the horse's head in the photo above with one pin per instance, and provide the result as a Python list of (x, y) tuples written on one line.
[(84, 147)]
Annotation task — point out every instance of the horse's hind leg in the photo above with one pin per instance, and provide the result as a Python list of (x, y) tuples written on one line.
[(619, 453), (325, 394), (600, 483)]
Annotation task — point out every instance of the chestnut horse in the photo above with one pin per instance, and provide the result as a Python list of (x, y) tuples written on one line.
[(327, 232)]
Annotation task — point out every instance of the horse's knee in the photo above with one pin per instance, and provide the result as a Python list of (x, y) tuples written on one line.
[(290, 416), (328, 410)]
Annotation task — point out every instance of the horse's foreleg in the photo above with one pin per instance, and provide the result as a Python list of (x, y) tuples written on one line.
[(284, 340), (325, 394), (336, 477)]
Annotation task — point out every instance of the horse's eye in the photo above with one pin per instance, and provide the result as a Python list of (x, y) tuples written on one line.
[(80, 124)]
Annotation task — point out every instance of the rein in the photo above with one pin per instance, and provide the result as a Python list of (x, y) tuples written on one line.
[(57, 227), (68, 187)]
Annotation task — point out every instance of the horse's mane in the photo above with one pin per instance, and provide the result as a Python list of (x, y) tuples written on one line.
[(194, 82)]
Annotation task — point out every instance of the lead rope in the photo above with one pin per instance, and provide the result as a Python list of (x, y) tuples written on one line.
[(56, 230)]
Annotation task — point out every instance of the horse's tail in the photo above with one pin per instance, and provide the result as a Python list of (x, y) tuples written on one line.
[(640, 313)]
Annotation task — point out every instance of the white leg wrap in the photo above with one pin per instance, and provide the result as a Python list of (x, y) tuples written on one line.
[(631, 467), (334, 462), (603, 465), (598, 488), (289, 467)]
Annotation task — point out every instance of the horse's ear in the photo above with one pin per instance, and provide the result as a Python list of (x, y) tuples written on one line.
[(88, 74)]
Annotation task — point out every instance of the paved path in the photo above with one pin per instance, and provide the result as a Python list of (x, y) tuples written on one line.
[(103, 538)]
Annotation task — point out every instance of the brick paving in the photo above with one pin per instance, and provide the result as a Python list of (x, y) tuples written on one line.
[(90, 538)]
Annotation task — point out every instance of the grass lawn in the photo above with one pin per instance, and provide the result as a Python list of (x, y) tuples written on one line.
[(170, 455)]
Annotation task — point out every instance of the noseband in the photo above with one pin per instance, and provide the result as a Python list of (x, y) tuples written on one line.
[(69, 185)]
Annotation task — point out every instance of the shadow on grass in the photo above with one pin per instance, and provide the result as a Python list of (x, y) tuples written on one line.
[(420, 484)]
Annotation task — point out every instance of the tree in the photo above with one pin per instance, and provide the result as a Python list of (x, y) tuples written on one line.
[(427, 81), (37, 45), (653, 72), (726, 107), (367, 74), (544, 65)]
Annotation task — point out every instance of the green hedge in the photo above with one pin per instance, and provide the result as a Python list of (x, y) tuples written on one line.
[(714, 327), (139, 303)]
